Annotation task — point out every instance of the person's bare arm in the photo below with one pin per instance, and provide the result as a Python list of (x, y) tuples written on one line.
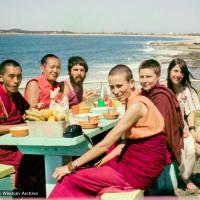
[(191, 123), (33, 93), (132, 115), (115, 152), (195, 135)]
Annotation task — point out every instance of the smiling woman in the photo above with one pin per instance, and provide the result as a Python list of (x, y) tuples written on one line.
[(178, 80)]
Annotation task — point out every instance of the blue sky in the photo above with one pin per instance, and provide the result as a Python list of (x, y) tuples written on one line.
[(146, 16)]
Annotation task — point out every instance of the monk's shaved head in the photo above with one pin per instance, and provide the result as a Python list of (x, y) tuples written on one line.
[(6, 63), (121, 69)]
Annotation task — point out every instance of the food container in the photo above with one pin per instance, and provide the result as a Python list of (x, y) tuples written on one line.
[(19, 131), (96, 104), (111, 115), (101, 110), (87, 117), (84, 109), (89, 124), (46, 128)]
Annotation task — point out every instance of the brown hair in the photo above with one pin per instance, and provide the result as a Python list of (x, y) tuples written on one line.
[(184, 69), (77, 60), (151, 64)]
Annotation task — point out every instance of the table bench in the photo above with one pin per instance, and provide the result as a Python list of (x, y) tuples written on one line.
[(130, 195), (6, 185)]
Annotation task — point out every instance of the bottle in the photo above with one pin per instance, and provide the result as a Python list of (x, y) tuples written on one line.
[(102, 91), (108, 101), (101, 101), (64, 107)]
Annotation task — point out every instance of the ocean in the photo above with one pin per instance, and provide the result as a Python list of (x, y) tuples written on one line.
[(102, 52)]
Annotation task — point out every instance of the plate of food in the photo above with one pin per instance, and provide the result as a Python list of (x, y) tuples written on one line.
[(111, 115), (89, 124), (87, 117), (101, 110)]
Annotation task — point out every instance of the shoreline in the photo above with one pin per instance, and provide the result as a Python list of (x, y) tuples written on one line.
[(189, 50), (188, 47)]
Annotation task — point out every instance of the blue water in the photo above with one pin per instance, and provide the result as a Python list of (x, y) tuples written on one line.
[(101, 52)]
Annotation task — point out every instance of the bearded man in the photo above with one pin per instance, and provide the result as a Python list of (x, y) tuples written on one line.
[(73, 87)]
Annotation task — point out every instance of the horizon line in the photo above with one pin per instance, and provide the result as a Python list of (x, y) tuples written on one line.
[(16, 30)]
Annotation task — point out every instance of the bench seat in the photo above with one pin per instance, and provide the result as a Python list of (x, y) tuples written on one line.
[(5, 179), (130, 195)]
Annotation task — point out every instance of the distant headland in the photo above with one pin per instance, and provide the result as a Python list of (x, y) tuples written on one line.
[(20, 31)]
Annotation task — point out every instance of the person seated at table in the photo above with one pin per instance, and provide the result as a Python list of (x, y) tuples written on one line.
[(73, 87), (133, 164), (37, 91), (28, 175), (178, 80), (167, 104)]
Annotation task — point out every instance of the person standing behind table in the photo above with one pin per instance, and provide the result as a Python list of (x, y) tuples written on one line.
[(73, 87), (136, 164), (167, 104), (37, 91), (178, 80), (13, 106)]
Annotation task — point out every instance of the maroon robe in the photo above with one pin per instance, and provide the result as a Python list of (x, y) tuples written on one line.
[(15, 110), (168, 105), (26, 179)]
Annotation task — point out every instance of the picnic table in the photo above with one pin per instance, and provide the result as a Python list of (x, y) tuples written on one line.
[(54, 149)]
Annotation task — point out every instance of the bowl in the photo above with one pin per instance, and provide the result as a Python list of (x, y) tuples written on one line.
[(89, 124), (111, 115), (84, 109), (87, 117), (19, 131)]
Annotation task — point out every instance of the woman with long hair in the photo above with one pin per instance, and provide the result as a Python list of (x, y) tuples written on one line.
[(178, 80)]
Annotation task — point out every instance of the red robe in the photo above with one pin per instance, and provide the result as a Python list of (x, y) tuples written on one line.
[(168, 105), (73, 96), (44, 88), (15, 110), (26, 179), (139, 164)]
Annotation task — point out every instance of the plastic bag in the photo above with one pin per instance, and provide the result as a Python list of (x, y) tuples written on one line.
[(59, 102)]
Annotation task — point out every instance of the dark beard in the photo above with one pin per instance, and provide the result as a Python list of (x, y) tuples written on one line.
[(76, 83)]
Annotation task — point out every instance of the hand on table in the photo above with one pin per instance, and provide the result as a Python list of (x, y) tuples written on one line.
[(38, 106), (60, 172)]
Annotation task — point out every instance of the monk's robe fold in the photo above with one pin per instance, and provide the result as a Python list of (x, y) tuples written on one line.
[(29, 168), (168, 105)]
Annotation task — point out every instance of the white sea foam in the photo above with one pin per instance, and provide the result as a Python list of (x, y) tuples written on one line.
[(148, 49)]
